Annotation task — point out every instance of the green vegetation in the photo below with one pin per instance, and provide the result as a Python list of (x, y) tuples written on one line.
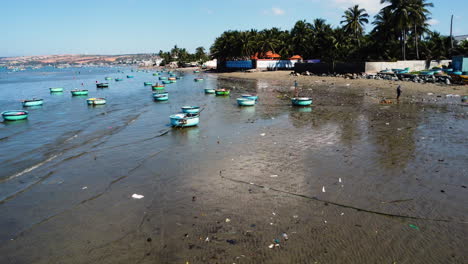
[(182, 56), (401, 32)]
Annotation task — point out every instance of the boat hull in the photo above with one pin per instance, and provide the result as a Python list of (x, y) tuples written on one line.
[(198, 80), (129, 76), (301, 101), (222, 93), (14, 115), (33, 103), (245, 102), (96, 101), (78, 93), (157, 87), (162, 78), (102, 85), (161, 96), (56, 90), (210, 91), (249, 96), (191, 109), (147, 83), (183, 120)]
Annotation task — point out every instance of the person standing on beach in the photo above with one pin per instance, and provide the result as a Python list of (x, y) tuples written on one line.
[(398, 92), (296, 90)]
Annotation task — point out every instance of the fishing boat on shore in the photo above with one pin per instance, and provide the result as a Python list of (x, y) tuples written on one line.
[(78, 92), (32, 102), (102, 85), (184, 120), (96, 101), (222, 92), (130, 76), (245, 101), (198, 79), (210, 91), (56, 90), (301, 101), (13, 115), (161, 96), (250, 96), (190, 109)]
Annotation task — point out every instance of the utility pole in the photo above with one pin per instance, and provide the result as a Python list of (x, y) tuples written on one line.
[(451, 36)]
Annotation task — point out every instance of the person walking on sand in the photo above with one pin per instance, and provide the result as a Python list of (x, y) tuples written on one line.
[(398, 92)]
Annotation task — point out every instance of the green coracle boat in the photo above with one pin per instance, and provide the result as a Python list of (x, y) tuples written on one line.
[(77, 92), (162, 78), (172, 81), (148, 83), (166, 82), (14, 115), (155, 74), (157, 87), (32, 102), (108, 78), (222, 92), (56, 90), (118, 79)]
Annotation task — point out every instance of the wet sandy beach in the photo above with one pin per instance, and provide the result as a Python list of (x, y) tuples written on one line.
[(345, 181)]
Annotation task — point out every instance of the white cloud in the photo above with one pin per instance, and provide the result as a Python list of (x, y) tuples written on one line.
[(277, 11), (433, 22), (372, 6)]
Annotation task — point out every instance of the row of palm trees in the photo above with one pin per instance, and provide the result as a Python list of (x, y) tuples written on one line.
[(401, 31)]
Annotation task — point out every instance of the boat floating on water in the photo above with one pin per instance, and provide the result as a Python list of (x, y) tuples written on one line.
[(118, 79), (166, 82), (56, 90), (301, 101), (96, 101), (198, 79), (32, 102), (161, 96), (184, 120), (210, 91), (190, 109), (108, 78), (222, 92), (77, 92), (13, 115), (158, 87), (162, 78), (102, 85), (245, 102), (148, 83), (130, 76)]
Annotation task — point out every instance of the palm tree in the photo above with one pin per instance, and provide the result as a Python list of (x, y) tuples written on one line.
[(401, 20), (354, 20), (419, 18), (301, 38)]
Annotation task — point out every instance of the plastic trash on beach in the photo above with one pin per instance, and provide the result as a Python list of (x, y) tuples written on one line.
[(137, 196), (414, 227), (323, 188), (285, 236), (228, 220), (262, 134), (271, 246)]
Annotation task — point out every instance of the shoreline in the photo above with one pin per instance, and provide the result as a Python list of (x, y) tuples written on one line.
[(379, 88)]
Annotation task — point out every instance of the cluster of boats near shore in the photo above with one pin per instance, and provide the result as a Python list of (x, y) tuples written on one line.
[(188, 117)]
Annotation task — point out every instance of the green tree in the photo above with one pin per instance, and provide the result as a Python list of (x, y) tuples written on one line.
[(354, 19)]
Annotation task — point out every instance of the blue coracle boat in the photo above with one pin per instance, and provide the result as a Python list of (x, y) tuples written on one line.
[(250, 96), (301, 101), (191, 109), (161, 96), (245, 102), (33, 102), (184, 120)]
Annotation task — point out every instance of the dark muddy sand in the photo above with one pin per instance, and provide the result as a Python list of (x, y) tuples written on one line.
[(345, 181)]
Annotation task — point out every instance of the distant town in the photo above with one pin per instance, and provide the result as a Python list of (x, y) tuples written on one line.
[(68, 60)]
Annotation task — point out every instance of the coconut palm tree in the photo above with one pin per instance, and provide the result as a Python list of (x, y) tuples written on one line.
[(301, 38), (354, 19), (419, 16)]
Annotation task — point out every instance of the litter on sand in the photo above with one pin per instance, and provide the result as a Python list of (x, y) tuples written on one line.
[(137, 196), (414, 227), (273, 176), (262, 134), (228, 220), (323, 189), (84, 188)]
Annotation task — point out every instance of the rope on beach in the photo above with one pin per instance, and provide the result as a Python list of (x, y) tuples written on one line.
[(338, 204)]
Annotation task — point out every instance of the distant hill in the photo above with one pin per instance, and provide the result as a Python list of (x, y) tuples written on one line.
[(77, 59)]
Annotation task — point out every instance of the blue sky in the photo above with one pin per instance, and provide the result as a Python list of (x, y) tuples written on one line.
[(37, 27)]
